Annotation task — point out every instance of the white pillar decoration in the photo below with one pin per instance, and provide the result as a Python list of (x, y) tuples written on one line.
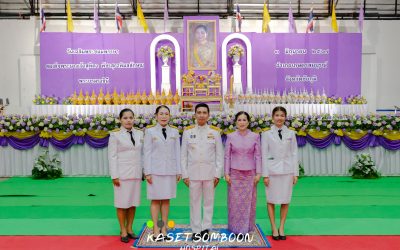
[(165, 79), (249, 73), (237, 79), (165, 82)]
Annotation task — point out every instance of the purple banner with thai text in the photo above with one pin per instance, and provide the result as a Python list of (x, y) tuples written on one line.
[(73, 61)]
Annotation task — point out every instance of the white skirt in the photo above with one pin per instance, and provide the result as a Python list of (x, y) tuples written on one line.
[(163, 187), (128, 193), (279, 190)]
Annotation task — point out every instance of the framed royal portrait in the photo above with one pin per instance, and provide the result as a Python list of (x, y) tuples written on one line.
[(201, 43)]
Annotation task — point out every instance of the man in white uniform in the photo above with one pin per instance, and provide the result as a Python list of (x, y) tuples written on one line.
[(202, 158)]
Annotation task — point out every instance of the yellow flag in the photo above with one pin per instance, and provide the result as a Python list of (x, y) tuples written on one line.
[(70, 23), (334, 22), (266, 19), (140, 16)]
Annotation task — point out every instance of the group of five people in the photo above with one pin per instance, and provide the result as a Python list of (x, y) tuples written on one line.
[(200, 160)]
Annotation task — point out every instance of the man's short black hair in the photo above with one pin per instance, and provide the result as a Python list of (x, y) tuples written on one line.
[(202, 105)]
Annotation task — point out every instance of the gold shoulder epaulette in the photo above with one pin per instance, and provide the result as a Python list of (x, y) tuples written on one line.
[(216, 128), (189, 127), (116, 130), (172, 126), (150, 126), (140, 129)]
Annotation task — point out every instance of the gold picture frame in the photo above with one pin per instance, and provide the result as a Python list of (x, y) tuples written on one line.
[(201, 44)]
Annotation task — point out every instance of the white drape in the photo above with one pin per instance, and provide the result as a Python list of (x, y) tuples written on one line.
[(86, 161), (336, 160)]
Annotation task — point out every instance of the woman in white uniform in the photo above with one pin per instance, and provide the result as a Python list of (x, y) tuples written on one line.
[(125, 163), (280, 168), (161, 168)]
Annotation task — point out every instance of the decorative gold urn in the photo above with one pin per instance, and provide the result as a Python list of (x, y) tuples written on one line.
[(93, 98), (170, 98), (122, 98), (100, 97), (129, 98), (74, 99), (176, 97), (115, 98), (107, 98), (87, 98), (138, 97), (134, 99), (163, 98), (143, 98), (151, 98), (81, 98), (157, 99)]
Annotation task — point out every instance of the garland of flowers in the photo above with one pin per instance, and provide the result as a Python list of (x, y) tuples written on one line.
[(46, 100), (253, 98), (356, 132), (373, 123)]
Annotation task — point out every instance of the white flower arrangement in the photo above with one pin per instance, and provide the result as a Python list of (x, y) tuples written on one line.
[(46, 167), (364, 167)]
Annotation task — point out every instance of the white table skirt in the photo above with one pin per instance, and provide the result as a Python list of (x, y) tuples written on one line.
[(86, 161), (96, 109), (292, 109)]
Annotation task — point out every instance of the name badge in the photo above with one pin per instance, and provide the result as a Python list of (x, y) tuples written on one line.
[(270, 158)]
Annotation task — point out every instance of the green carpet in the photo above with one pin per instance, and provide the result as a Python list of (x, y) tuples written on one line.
[(84, 206)]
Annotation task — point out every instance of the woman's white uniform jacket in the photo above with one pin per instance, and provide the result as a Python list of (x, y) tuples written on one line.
[(279, 156), (162, 156), (125, 160)]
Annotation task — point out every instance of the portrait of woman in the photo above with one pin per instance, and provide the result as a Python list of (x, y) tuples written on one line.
[(202, 48)]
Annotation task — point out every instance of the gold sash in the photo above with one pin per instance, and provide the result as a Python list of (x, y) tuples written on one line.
[(196, 56)]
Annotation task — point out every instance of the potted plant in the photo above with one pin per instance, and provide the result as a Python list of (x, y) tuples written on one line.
[(46, 167), (364, 167)]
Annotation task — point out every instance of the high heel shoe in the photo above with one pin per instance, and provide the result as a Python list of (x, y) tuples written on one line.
[(125, 239), (275, 237), (281, 237)]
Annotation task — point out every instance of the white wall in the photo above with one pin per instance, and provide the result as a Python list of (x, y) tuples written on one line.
[(19, 53)]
